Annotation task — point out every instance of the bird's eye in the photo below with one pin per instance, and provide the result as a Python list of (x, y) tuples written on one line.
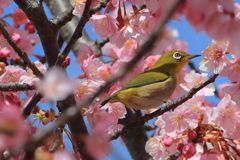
[(177, 55)]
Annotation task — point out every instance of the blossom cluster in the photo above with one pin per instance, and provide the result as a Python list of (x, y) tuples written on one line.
[(197, 128)]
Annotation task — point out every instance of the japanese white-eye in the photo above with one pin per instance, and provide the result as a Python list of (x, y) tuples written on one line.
[(154, 86)]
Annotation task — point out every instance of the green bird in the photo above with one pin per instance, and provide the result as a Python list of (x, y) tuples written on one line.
[(153, 87)]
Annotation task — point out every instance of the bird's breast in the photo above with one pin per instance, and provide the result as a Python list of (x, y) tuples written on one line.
[(142, 97)]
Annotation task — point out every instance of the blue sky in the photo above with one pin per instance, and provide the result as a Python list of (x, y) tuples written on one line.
[(197, 43)]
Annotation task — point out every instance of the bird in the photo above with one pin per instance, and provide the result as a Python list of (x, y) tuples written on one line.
[(153, 87)]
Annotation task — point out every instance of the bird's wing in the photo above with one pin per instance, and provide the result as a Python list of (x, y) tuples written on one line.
[(149, 78)]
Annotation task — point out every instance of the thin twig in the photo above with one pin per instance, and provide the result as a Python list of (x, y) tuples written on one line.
[(174, 156), (64, 18), (20, 52), (15, 87)]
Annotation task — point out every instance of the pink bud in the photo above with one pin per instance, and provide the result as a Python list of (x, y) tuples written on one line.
[(167, 141), (5, 52), (180, 147), (192, 134), (16, 37), (189, 150), (67, 61), (30, 27)]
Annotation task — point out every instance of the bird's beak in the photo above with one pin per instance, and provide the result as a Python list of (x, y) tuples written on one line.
[(191, 56)]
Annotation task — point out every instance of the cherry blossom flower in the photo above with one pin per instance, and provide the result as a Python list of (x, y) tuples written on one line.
[(12, 74), (127, 51), (86, 89), (104, 24), (98, 144), (179, 120), (79, 6), (226, 114), (56, 85), (12, 130), (105, 71), (155, 148), (189, 150), (197, 105), (129, 31), (232, 70), (91, 68), (63, 155), (30, 78), (192, 79), (19, 17), (117, 108), (234, 90), (86, 52), (3, 4), (214, 57), (97, 116), (4, 52)]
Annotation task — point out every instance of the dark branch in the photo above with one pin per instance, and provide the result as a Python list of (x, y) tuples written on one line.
[(174, 156), (61, 20), (20, 52), (33, 102), (170, 106), (15, 87)]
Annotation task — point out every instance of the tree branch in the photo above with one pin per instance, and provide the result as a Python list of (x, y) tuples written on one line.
[(20, 52), (64, 18), (15, 87), (168, 107), (174, 156)]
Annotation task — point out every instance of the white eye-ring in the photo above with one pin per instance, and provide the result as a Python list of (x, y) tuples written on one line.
[(177, 55)]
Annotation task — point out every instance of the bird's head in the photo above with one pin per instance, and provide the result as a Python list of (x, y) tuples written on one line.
[(174, 60)]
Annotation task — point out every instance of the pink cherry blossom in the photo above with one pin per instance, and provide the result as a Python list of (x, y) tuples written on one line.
[(189, 150), (56, 85), (226, 114), (104, 24), (155, 148), (180, 119), (151, 60), (63, 155), (197, 105), (19, 17), (13, 132), (192, 79), (91, 68), (98, 144), (86, 89), (118, 109), (232, 70), (221, 93), (105, 71), (208, 154), (129, 31), (234, 90), (214, 57), (97, 116), (12, 74), (16, 37), (86, 52), (127, 51), (3, 4), (79, 6), (4, 52), (144, 20), (178, 45), (30, 78)]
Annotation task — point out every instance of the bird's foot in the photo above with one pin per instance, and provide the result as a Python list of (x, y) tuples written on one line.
[(164, 100)]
